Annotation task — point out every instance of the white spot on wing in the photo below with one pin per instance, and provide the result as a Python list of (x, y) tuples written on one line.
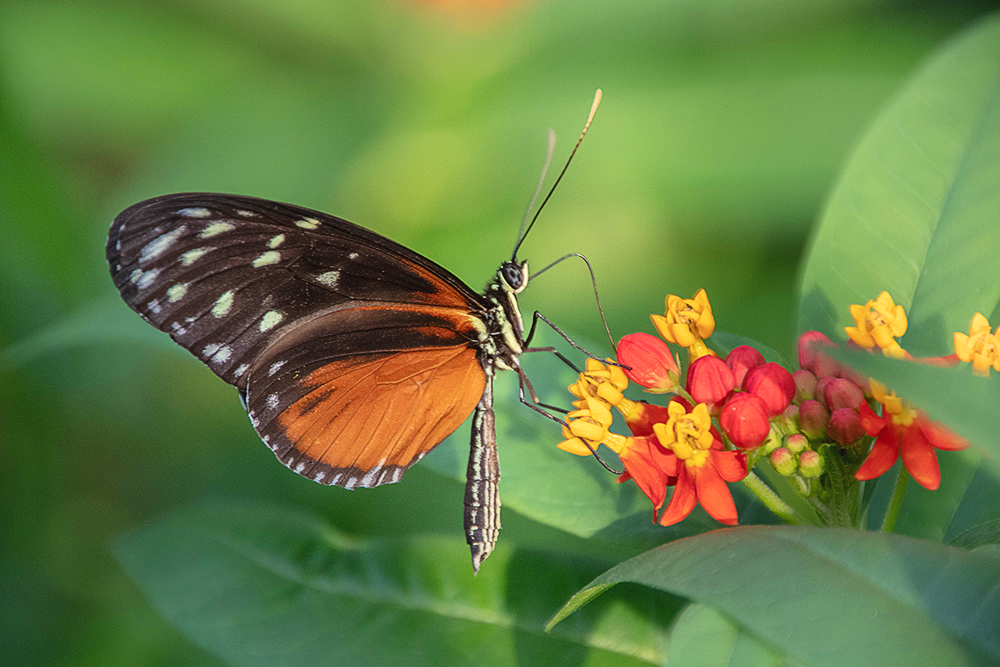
[(156, 247), (370, 477), (272, 401), (300, 467), (223, 304), (216, 228), (194, 212), (269, 257), (276, 241), (270, 320), (246, 214), (320, 476), (329, 278), (144, 280), (240, 370), (210, 349), (188, 258), (275, 368), (353, 255), (307, 223), (176, 292), (222, 355), (154, 307)]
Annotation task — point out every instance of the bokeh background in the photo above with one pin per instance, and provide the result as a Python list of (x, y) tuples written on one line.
[(723, 126)]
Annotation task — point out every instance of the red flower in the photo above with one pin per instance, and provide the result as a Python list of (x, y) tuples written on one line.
[(744, 419), (742, 359), (646, 462), (774, 384), (709, 381), (649, 362)]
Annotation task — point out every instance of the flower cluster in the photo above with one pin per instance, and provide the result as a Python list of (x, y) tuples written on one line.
[(728, 414)]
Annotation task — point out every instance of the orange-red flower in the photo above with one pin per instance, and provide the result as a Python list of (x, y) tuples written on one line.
[(904, 430), (650, 362), (700, 465)]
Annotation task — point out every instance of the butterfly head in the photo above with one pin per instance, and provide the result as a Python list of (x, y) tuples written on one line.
[(514, 276)]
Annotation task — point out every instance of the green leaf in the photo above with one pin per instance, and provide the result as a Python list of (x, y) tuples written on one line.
[(987, 533), (833, 597), (703, 636), (916, 210), (259, 585)]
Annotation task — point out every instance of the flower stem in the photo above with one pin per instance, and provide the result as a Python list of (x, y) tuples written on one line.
[(896, 502), (772, 501)]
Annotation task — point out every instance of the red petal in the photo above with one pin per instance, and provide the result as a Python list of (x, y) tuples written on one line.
[(744, 418), (884, 453), (742, 359), (714, 496), (732, 466), (644, 467), (709, 380), (773, 383), (872, 423), (683, 500), (920, 459), (940, 436)]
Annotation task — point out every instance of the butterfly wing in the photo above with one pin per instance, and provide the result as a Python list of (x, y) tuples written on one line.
[(355, 356)]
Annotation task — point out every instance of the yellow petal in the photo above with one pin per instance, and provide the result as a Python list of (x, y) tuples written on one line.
[(574, 446), (860, 336)]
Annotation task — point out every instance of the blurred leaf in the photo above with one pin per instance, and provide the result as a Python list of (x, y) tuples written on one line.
[(259, 585), (987, 533), (703, 636), (856, 597), (916, 210)]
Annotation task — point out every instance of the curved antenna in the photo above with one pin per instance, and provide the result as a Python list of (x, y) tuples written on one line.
[(590, 118), (541, 181), (593, 282)]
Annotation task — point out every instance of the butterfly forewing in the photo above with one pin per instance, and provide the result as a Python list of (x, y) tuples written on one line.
[(340, 340)]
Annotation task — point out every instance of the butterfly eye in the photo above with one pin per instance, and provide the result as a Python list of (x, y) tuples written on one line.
[(512, 275)]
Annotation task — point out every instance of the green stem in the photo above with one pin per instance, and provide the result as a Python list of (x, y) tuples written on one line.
[(772, 501), (896, 502)]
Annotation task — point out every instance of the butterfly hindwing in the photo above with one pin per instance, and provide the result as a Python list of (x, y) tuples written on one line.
[(354, 354)]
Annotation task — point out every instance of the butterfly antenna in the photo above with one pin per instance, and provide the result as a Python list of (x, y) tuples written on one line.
[(590, 118), (541, 181), (593, 282)]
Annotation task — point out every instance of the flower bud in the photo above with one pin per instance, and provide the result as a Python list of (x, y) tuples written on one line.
[(842, 393), (771, 442), (810, 464), (709, 380), (783, 461), (797, 443), (821, 385), (773, 383), (811, 359), (845, 426), (650, 362), (805, 385), (813, 419), (788, 420), (744, 419), (741, 360)]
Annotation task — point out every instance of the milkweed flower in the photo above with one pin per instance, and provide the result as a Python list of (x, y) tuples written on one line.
[(649, 363), (879, 323), (687, 322), (980, 346), (902, 429), (701, 466)]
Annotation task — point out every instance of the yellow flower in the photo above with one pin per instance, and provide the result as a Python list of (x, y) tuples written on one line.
[(879, 323), (980, 347), (688, 434), (687, 322), (902, 413), (589, 425)]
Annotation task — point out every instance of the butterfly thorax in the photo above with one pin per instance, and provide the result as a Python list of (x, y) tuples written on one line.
[(503, 340)]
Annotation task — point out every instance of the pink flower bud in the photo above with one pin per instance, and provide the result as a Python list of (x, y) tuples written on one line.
[(773, 383), (805, 385), (783, 461), (789, 418), (797, 443), (845, 426), (810, 464), (742, 359), (842, 393), (813, 419), (650, 362), (744, 419), (709, 380), (811, 359), (821, 385)]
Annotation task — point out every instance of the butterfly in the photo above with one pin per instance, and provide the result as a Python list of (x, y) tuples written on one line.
[(353, 355)]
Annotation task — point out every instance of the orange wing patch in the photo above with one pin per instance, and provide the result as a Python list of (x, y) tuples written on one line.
[(363, 423)]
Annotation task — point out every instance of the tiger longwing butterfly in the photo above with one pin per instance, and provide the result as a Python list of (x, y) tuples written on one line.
[(353, 355)]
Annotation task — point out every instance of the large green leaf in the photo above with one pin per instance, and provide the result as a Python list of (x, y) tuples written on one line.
[(260, 585), (916, 210), (834, 596)]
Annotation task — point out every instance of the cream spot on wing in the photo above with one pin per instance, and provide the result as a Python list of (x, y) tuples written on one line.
[(246, 214), (216, 228), (197, 212), (210, 349), (275, 368), (307, 223), (270, 320), (223, 304), (222, 354), (320, 476), (154, 307), (353, 255), (156, 247), (269, 257), (240, 370), (329, 278), (272, 401), (276, 241), (176, 292), (144, 280), (188, 258), (300, 467)]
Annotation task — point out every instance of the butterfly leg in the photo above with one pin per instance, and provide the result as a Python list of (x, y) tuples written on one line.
[(482, 479)]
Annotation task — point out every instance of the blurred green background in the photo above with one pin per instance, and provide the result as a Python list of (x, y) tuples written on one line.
[(723, 126)]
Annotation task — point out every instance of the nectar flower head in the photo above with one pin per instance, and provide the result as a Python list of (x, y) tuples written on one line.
[(773, 383), (709, 381), (687, 322), (980, 347), (744, 418), (605, 382), (650, 363), (742, 360), (902, 429), (878, 324), (647, 462)]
